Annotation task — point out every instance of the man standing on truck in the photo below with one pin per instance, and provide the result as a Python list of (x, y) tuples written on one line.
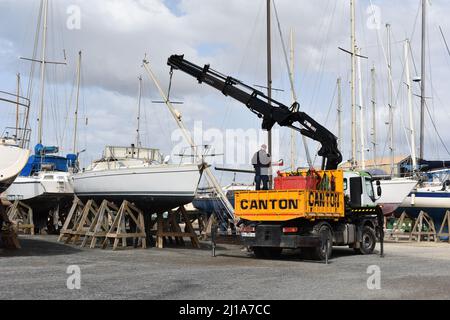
[(262, 163)]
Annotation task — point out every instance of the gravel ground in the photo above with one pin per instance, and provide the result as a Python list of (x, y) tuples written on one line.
[(39, 271)]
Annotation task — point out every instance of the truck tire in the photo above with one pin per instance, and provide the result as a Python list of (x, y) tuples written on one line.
[(267, 252), (368, 241), (320, 253)]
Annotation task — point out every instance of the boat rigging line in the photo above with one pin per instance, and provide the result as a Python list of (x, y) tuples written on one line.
[(296, 105)]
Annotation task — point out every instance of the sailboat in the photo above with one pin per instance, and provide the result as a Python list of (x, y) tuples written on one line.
[(139, 175), (13, 155), (394, 189), (44, 184), (433, 194), (12, 160)]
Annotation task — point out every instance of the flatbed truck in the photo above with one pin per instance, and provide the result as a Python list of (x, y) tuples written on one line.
[(313, 218)]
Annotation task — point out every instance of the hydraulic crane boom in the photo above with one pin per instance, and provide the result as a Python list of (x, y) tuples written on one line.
[(271, 111)]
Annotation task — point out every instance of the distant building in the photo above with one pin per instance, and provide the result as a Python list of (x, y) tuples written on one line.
[(382, 165)]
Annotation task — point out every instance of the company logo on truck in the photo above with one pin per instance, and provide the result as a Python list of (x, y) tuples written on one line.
[(323, 199), (271, 204)]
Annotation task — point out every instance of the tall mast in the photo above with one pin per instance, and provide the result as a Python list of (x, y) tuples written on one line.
[(410, 106), (390, 100), (269, 73), (374, 115), (187, 136), (339, 110), (361, 112), (17, 106), (44, 47), (75, 133), (423, 82), (353, 81), (138, 131), (292, 66)]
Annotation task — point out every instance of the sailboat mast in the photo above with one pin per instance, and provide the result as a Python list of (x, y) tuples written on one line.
[(44, 48), (353, 81), (292, 66), (269, 74), (17, 106), (374, 115), (361, 112), (423, 81), (391, 100), (77, 103), (138, 131), (187, 136), (339, 110), (410, 106)]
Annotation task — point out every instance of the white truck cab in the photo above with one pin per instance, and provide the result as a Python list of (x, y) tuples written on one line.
[(359, 189)]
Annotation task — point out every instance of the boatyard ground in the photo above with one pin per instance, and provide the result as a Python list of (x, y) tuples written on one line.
[(39, 271)]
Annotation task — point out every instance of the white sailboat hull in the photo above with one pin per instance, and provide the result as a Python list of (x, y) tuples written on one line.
[(394, 193), (158, 188), (45, 184), (12, 161), (433, 201), (45, 192), (428, 198)]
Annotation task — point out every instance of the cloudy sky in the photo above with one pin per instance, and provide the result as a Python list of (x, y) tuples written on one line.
[(114, 36)]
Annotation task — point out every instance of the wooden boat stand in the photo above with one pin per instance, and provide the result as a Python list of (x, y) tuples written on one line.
[(417, 233), (106, 222), (118, 230), (99, 227), (8, 233), (21, 216), (397, 230), (445, 223), (71, 229), (111, 225), (169, 230)]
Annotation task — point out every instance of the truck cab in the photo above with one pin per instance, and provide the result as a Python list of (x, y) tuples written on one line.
[(358, 189)]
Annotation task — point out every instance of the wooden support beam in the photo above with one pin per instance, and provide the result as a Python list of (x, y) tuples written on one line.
[(118, 230), (100, 223), (170, 228), (21, 217), (72, 219), (423, 221), (445, 223), (82, 227), (8, 233), (397, 230)]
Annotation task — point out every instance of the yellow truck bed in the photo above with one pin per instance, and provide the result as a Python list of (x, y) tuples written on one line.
[(284, 205)]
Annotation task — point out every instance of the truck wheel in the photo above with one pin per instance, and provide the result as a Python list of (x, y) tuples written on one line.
[(368, 241), (324, 232)]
